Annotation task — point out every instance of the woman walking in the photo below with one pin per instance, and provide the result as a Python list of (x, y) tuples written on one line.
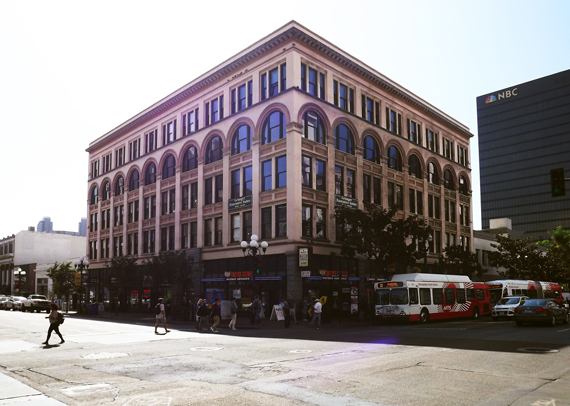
[(53, 324), (233, 310)]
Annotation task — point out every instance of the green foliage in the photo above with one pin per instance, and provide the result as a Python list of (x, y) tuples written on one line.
[(459, 261), (63, 279), (558, 248), (376, 234), (168, 267)]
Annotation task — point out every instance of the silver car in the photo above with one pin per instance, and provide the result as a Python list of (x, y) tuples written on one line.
[(506, 306)]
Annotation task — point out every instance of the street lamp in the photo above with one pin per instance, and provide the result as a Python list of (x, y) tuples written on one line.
[(81, 265), (428, 242), (19, 272), (254, 249)]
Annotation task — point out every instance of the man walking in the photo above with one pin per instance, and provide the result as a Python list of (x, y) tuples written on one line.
[(233, 310), (291, 303), (202, 315), (317, 310), (216, 313), (160, 317)]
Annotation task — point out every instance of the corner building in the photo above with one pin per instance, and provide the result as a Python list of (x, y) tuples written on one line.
[(269, 143)]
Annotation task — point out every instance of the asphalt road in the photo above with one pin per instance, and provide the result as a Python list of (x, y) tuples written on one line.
[(120, 361)]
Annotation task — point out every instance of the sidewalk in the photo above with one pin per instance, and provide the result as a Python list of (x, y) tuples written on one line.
[(15, 393)]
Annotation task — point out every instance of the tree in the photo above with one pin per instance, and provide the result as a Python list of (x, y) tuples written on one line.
[(377, 235), (558, 248), (63, 279), (169, 267), (459, 261), (125, 269)]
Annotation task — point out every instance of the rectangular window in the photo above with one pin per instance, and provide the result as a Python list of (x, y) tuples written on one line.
[(171, 238), (119, 215), (449, 296), (236, 228), (339, 180), (190, 122), (395, 196), (247, 181), (321, 176), (214, 110), (193, 234), (448, 149), (266, 175), (169, 132), (92, 249), (438, 296), (306, 167), (150, 141), (194, 195), (281, 171), (434, 207), (321, 222), (460, 295), (343, 96), (283, 77), (263, 86), (281, 220), (432, 141), (235, 187), (470, 295), (266, 222), (163, 238), (416, 201), (107, 163), (350, 185), (425, 296), (219, 188), (462, 156), (218, 229), (437, 247), (370, 109), (208, 191), (307, 221), (184, 236), (133, 248), (149, 241), (164, 203), (367, 188), (393, 121), (119, 157), (377, 191), (208, 232), (94, 169), (185, 197), (247, 225), (273, 82)]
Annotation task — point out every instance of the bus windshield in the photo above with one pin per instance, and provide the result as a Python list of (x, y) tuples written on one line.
[(397, 296)]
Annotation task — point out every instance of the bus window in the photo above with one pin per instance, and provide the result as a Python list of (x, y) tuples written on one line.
[(399, 296), (413, 296), (449, 296), (524, 292), (471, 295), (495, 295), (383, 296), (425, 296), (480, 295), (460, 295), (437, 296)]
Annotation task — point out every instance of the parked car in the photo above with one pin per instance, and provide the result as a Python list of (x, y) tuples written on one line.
[(506, 306), (3, 301), (14, 303), (36, 302), (547, 311)]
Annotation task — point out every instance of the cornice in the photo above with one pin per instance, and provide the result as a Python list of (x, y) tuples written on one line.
[(292, 34)]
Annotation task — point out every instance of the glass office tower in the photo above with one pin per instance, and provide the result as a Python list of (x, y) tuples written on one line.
[(524, 132)]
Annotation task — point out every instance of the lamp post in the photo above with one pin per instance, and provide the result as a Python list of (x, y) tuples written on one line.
[(428, 242), (20, 273), (81, 265), (254, 249)]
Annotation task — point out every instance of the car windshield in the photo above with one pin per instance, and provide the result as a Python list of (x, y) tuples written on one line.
[(536, 302), (513, 300)]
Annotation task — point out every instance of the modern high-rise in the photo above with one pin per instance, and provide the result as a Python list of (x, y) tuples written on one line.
[(524, 132), (269, 142), (45, 225)]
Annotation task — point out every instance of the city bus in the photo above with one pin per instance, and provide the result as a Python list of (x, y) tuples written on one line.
[(423, 297), (509, 287)]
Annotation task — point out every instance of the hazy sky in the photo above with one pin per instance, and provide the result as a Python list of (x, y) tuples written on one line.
[(71, 71)]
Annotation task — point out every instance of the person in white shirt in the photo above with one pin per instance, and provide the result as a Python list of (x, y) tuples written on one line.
[(317, 311), (160, 317)]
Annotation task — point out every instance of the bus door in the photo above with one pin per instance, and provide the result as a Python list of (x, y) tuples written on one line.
[(414, 300)]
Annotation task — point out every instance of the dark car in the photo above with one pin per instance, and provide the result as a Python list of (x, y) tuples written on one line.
[(547, 311)]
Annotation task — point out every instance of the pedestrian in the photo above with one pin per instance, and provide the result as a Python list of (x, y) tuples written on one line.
[(196, 307), (202, 315), (256, 308), (287, 313), (317, 310), (216, 313), (233, 310), (53, 323), (307, 303), (292, 312), (160, 317)]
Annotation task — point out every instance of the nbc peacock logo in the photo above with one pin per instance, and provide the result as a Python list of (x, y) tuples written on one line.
[(491, 99)]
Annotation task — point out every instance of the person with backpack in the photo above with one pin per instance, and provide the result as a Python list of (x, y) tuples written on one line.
[(160, 316), (216, 314), (233, 310), (55, 319), (203, 315)]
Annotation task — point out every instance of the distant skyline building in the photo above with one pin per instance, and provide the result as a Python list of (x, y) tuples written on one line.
[(45, 225), (82, 229), (524, 131)]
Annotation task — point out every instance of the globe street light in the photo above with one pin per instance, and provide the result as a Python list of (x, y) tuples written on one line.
[(81, 265), (19, 272), (254, 249)]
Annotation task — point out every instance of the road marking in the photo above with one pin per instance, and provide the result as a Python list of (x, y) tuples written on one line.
[(106, 355), (300, 351), (566, 329), (206, 348)]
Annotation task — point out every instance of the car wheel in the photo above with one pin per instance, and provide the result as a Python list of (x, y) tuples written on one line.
[(475, 312), (424, 316)]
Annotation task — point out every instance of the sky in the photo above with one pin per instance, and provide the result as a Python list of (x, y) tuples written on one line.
[(71, 71)]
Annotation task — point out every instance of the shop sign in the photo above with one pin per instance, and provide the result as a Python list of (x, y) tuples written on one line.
[(240, 202), (345, 201), (333, 275), (303, 257), (239, 276), (305, 274), (77, 278)]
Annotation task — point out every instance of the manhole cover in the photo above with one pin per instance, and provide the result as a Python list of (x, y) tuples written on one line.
[(206, 349), (538, 350), (300, 351), (106, 355)]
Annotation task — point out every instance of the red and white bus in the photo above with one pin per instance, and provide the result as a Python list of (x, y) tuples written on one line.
[(423, 297), (532, 289)]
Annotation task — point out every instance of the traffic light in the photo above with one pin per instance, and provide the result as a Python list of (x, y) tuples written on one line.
[(557, 182), (257, 265)]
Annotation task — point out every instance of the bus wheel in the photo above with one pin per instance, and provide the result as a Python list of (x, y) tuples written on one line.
[(424, 316), (475, 312)]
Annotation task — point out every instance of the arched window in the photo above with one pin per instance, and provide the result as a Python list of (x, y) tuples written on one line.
[(448, 180), (371, 151), (150, 174), (394, 159), (433, 174), (313, 127), (344, 139), (214, 150), (120, 186), (106, 189), (190, 160), (94, 195), (415, 166), (241, 140), (274, 128), (169, 167), (463, 188), (134, 180)]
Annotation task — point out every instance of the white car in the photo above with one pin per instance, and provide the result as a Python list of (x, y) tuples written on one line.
[(506, 306)]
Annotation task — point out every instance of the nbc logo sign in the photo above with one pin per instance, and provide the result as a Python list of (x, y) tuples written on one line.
[(491, 99)]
